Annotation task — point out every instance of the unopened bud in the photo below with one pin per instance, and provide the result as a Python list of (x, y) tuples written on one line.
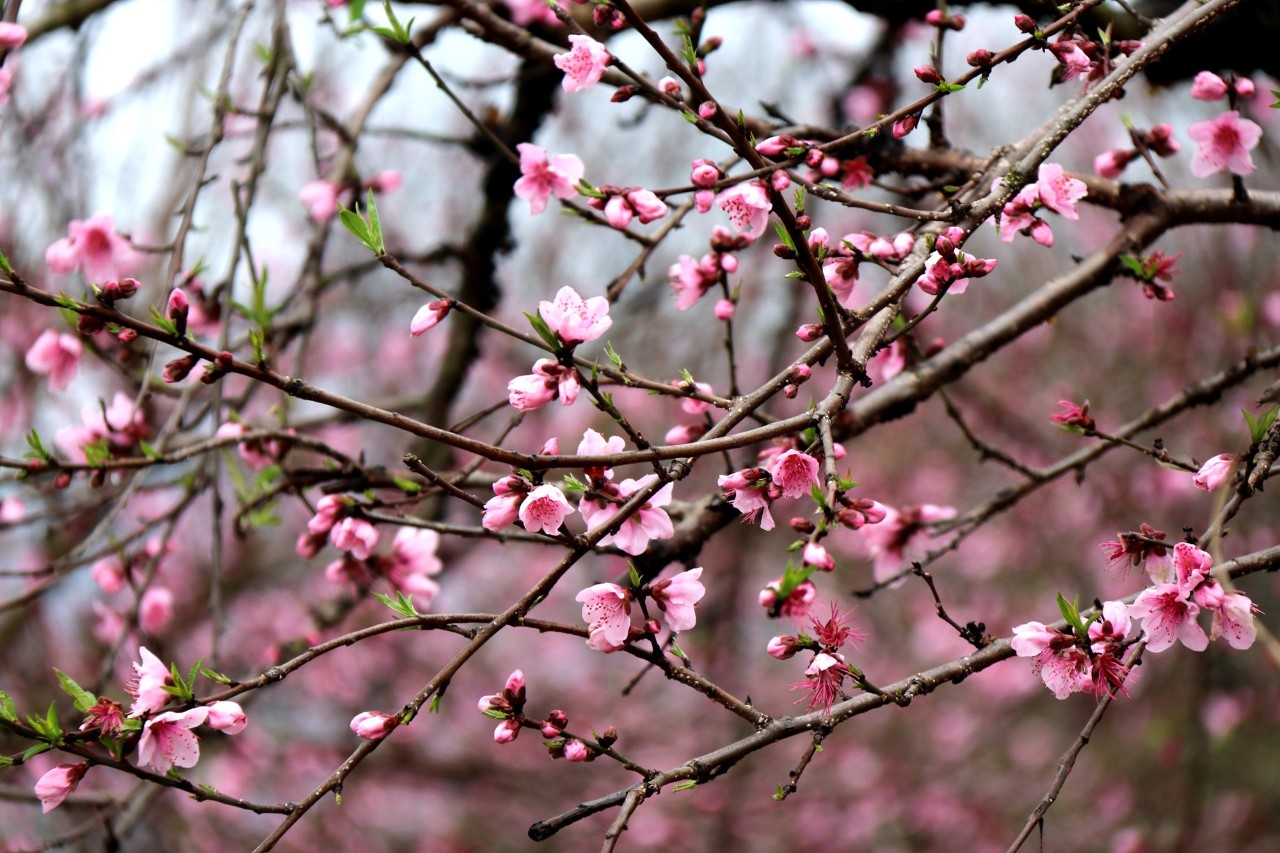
[(651, 626), (980, 58), (927, 74), (623, 93), (87, 325), (606, 17), (801, 525), (608, 737), (790, 391), (809, 332), (804, 221), (801, 373), (783, 251), (62, 481), (127, 336), (707, 109), (177, 370), (1025, 23)]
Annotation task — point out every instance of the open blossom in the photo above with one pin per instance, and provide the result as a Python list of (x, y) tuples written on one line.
[(574, 319), (648, 522), (748, 207), (503, 508), (542, 177), (1215, 472), (373, 725), (57, 355), (167, 740), (824, 679), (544, 510), (1233, 619), (606, 608), (354, 535), (1059, 191), (749, 492), (93, 247), (57, 784), (795, 473), (676, 597), (548, 381), (1225, 143), (148, 683), (584, 64), (412, 562)]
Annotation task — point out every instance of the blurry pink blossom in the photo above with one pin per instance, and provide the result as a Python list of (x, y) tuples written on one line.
[(321, 199), (148, 683), (574, 319), (724, 309), (385, 181), (57, 784), (584, 64), (167, 740), (1208, 87), (1215, 472), (526, 12), (57, 355), (93, 247), (1225, 143), (576, 750), (817, 556), (12, 35), (543, 177), (155, 610), (354, 535)]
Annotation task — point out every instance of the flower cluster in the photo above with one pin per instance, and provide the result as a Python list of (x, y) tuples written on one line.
[(620, 205), (901, 536), (95, 248), (948, 269), (606, 608)]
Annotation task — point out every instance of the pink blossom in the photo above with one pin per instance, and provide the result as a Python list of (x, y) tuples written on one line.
[(1059, 191), (11, 36), (354, 535), (94, 247), (606, 608), (574, 319), (543, 177), (1225, 143), (1191, 565), (328, 510), (1110, 164), (817, 556), (227, 716), (1169, 615), (12, 510), (548, 381), (676, 597), (321, 199), (544, 510), (507, 731), (413, 551), (147, 686), (824, 680), (901, 537), (503, 508), (621, 207), (704, 173), (1032, 638), (1215, 472), (584, 64), (648, 522), (373, 725), (748, 490), (795, 605), (748, 207), (1233, 619), (1064, 671), (385, 182), (1113, 627), (794, 472), (783, 647), (724, 309), (1208, 87), (57, 355), (594, 444), (526, 12), (57, 784), (691, 279), (167, 740), (429, 315), (576, 750), (155, 610)]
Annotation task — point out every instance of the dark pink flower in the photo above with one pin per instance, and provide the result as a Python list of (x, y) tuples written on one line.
[(354, 535), (503, 508), (11, 36), (824, 680), (1225, 143), (1169, 616)]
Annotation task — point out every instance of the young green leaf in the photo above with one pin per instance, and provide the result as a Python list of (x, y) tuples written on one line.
[(83, 698)]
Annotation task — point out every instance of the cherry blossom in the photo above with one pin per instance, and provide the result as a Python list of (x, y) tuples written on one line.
[(1208, 87), (637, 202), (1233, 619), (1169, 616), (584, 64), (748, 207), (606, 608), (544, 510), (543, 176), (57, 784), (93, 247), (167, 740), (147, 686), (795, 473), (373, 725), (901, 537), (574, 319), (412, 562), (226, 716), (550, 380), (1059, 191), (648, 522), (676, 597), (824, 679), (1225, 143), (57, 355), (1215, 472), (503, 508), (749, 491), (795, 605), (355, 535)]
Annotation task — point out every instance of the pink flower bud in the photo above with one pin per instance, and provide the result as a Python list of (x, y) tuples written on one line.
[(57, 784), (178, 369), (507, 730), (1214, 472), (114, 290), (980, 58), (777, 145), (155, 610), (670, 87), (373, 725), (816, 555), (429, 315), (706, 110), (783, 647), (780, 180), (623, 93), (11, 36), (385, 182), (177, 309), (790, 391), (576, 750), (1025, 23), (1208, 87), (1244, 87), (800, 373), (809, 332), (704, 173), (226, 717), (904, 126), (724, 310), (928, 74), (1110, 164)]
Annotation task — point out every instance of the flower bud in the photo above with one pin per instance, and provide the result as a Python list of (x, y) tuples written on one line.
[(62, 481), (904, 126), (608, 737), (87, 325), (783, 251), (928, 74), (1025, 23), (801, 525), (980, 58), (780, 180), (623, 93), (707, 109), (669, 86), (804, 221), (809, 332), (127, 336), (576, 750), (177, 309), (724, 310), (704, 173), (783, 647), (177, 370), (373, 725)]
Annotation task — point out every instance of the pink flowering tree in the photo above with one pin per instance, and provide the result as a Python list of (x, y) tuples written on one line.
[(850, 422)]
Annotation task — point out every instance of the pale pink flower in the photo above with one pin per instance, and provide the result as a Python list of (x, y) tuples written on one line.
[(1225, 143), (354, 535), (429, 315), (783, 647), (817, 556), (526, 12), (167, 740), (748, 207), (155, 610), (1215, 472), (57, 784), (1113, 627), (57, 355), (548, 381), (691, 279), (595, 444), (93, 247), (1233, 619), (321, 199), (574, 319), (584, 64), (328, 510), (507, 731), (373, 725), (1064, 671), (503, 508), (1208, 87), (544, 510), (147, 686), (413, 551), (1168, 616), (621, 207), (606, 608), (794, 472), (11, 36), (648, 522), (543, 177), (227, 716), (676, 597), (12, 510), (1059, 191), (749, 491)]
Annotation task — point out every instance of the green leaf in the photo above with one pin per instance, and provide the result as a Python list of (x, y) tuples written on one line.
[(687, 376), (1275, 93), (634, 574), (685, 785), (162, 321), (1136, 266), (256, 340), (4, 265), (82, 698), (544, 331), (573, 484), (37, 447), (792, 577), (7, 711), (434, 707), (950, 88), (401, 604), (375, 227), (1258, 426), (356, 8), (214, 676), (404, 484), (819, 496), (1071, 613), (355, 224), (585, 189), (784, 236), (613, 354), (36, 750), (194, 671), (6, 761)]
